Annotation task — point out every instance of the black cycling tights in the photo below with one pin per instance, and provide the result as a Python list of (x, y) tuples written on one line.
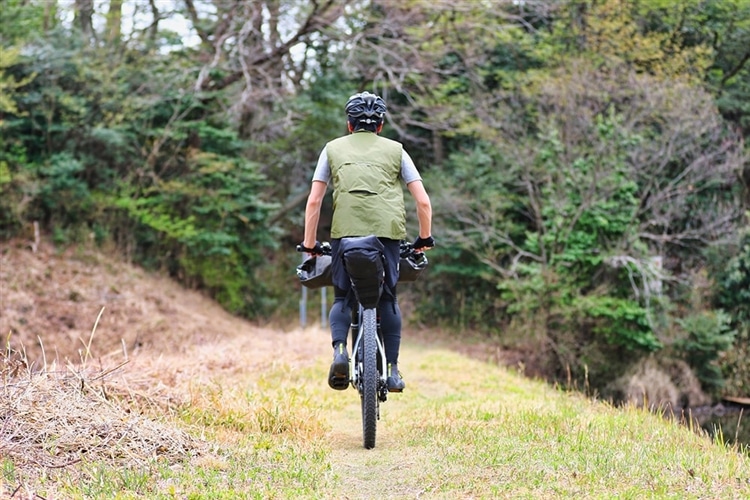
[(389, 313)]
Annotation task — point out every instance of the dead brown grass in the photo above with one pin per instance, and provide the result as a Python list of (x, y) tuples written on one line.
[(75, 387), (50, 300), (98, 356), (52, 419)]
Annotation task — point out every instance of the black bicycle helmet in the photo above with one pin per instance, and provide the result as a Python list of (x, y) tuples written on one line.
[(366, 105)]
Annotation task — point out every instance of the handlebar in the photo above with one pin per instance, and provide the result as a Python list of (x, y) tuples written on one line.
[(406, 249), (325, 247)]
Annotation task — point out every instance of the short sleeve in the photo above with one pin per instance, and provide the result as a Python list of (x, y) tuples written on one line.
[(322, 169), (409, 172)]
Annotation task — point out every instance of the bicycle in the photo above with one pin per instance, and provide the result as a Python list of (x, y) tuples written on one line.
[(365, 264)]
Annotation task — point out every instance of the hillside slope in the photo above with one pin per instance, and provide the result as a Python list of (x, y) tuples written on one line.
[(50, 299)]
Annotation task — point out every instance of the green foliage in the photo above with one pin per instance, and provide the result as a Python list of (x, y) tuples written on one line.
[(23, 19), (733, 296), (588, 203), (208, 227), (574, 173), (14, 186), (8, 84), (64, 197), (114, 147), (620, 322), (734, 284), (319, 109), (459, 283), (708, 334), (17, 186), (722, 25)]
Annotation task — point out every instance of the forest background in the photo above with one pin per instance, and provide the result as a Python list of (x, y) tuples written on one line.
[(586, 161)]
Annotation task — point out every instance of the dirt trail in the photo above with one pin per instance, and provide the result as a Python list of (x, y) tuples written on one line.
[(396, 467), (388, 470)]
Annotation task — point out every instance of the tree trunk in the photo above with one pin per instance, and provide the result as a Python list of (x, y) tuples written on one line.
[(114, 22), (84, 11), (50, 9), (153, 31)]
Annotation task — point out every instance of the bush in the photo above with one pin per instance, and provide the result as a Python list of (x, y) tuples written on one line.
[(707, 334)]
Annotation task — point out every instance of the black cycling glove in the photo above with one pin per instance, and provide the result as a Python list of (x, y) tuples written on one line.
[(420, 243), (316, 250)]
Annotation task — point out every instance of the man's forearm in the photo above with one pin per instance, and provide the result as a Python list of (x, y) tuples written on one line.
[(312, 217), (424, 207), (312, 212), (424, 216)]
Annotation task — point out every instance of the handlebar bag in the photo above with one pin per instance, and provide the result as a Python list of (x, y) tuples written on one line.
[(411, 267), (315, 272)]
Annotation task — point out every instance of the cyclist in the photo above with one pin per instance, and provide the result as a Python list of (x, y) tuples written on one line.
[(367, 172)]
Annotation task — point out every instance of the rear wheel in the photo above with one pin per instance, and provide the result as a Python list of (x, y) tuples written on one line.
[(369, 376)]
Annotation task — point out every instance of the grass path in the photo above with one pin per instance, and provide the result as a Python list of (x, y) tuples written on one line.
[(390, 469), (466, 429), (400, 466)]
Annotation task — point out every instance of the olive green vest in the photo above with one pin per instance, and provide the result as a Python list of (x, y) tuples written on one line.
[(367, 193)]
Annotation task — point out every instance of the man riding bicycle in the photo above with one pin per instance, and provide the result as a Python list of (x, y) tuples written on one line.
[(367, 171)]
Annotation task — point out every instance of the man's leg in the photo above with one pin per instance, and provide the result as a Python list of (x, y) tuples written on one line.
[(339, 319), (390, 325), (390, 315)]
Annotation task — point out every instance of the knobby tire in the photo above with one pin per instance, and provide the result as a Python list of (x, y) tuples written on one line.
[(369, 378)]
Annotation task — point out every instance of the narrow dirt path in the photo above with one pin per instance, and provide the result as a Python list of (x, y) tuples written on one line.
[(391, 469), (395, 468)]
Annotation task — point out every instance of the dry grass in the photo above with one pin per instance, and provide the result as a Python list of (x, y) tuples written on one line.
[(107, 366), (50, 299), (71, 395), (55, 418)]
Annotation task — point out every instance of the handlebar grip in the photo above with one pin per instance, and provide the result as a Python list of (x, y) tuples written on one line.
[(320, 248)]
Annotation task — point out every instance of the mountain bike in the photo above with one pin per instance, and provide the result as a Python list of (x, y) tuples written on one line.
[(365, 264)]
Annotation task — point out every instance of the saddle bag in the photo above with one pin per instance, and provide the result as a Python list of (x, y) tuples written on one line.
[(365, 264)]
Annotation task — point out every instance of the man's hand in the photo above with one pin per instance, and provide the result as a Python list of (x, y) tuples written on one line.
[(316, 250), (423, 243)]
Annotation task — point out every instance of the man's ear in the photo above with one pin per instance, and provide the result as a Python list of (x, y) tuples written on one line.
[(349, 126), (380, 127)]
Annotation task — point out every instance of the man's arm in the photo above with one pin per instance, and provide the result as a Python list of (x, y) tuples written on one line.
[(424, 208), (312, 212)]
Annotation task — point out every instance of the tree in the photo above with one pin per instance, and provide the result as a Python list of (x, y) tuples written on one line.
[(8, 83), (113, 27), (83, 20), (580, 148)]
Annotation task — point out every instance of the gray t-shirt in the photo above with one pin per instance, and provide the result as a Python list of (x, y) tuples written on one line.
[(409, 172)]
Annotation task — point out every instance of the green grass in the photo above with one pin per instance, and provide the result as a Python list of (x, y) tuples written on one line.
[(496, 435), (463, 429)]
